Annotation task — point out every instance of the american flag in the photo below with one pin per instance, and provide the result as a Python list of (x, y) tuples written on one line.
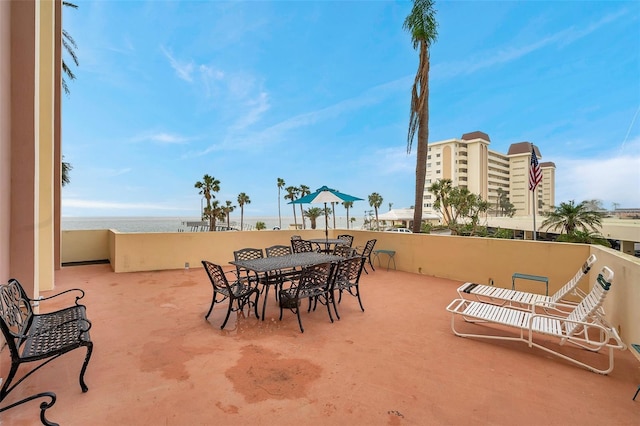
[(535, 175)]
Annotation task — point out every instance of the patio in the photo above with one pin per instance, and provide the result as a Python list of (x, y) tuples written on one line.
[(157, 361)]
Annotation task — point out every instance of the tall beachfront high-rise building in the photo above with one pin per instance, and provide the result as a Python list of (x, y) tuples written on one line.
[(469, 163)]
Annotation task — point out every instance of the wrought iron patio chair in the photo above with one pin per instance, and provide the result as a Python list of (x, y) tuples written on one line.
[(348, 239), (345, 251), (347, 279), (366, 253), (314, 284), (283, 276), (239, 291), (247, 254), (303, 246)]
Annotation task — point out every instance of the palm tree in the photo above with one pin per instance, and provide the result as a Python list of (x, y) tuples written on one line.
[(347, 205), (207, 185), (375, 201), (313, 213), (441, 189), (570, 217), (227, 209), (303, 190), (422, 25), (70, 46), (584, 237), (292, 194), (242, 200), (280, 186), (66, 168)]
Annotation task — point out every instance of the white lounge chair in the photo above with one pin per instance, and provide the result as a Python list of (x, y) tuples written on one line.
[(582, 327), (520, 299)]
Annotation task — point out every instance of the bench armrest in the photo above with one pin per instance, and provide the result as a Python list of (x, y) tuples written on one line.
[(79, 296)]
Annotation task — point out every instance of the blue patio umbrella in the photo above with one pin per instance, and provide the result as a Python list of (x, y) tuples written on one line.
[(325, 195)]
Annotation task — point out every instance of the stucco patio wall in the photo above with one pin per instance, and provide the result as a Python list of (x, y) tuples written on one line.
[(481, 260)]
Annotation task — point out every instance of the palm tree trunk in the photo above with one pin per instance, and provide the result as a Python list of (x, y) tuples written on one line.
[(423, 141)]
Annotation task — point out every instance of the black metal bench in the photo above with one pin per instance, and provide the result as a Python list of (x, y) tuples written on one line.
[(40, 337)]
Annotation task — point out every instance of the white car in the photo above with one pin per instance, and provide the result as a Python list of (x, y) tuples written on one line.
[(401, 230)]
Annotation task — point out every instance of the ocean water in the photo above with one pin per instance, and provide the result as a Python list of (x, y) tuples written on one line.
[(178, 224)]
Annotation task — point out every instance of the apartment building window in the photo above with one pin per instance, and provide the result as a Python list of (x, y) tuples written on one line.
[(464, 178), (427, 197), (428, 205), (437, 163), (437, 155), (428, 181), (428, 157), (437, 172), (428, 165)]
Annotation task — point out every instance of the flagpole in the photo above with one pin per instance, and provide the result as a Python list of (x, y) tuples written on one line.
[(533, 200)]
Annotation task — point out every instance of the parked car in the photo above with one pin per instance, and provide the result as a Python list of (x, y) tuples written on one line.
[(401, 230)]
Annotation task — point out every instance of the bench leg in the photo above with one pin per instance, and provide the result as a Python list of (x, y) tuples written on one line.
[(87, 357), (634, 396)]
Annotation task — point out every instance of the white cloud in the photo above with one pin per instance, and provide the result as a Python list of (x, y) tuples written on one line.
[(612, 180), (184, 70), (98, 205), (161, 137), (110, 172), (488, 59)]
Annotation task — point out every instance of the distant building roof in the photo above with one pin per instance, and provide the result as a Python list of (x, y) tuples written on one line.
[(476, 135), (548, 164), (522, 148)]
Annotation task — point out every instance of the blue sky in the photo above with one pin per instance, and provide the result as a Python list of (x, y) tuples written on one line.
[(317, 93)]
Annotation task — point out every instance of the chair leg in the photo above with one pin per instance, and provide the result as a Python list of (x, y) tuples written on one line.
[(634, 396), (328, 307), (255, 304), (299, 320), (213, 302), (358, 295), (228, 313), (335, 308)]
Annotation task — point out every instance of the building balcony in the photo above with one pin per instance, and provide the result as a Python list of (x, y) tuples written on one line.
[(157, 361)]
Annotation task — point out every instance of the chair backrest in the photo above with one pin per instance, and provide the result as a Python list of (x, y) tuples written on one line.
[(216, 276), (368, 248), (573, 282), (248, 254), (348, 271), (343, 250), (301, 246), (314, 280), (278, 250), (348, 239), (591, 303)]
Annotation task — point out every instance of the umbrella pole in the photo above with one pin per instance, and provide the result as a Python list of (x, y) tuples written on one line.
[(326, 227)]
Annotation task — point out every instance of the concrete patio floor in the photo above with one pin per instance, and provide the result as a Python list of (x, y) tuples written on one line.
[(156, 361)]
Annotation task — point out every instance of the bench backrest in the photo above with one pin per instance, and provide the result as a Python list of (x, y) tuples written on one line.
[(16, 314)]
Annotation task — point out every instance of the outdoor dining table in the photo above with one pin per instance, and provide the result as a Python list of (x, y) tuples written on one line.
[(327, 242), (274, 268)]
